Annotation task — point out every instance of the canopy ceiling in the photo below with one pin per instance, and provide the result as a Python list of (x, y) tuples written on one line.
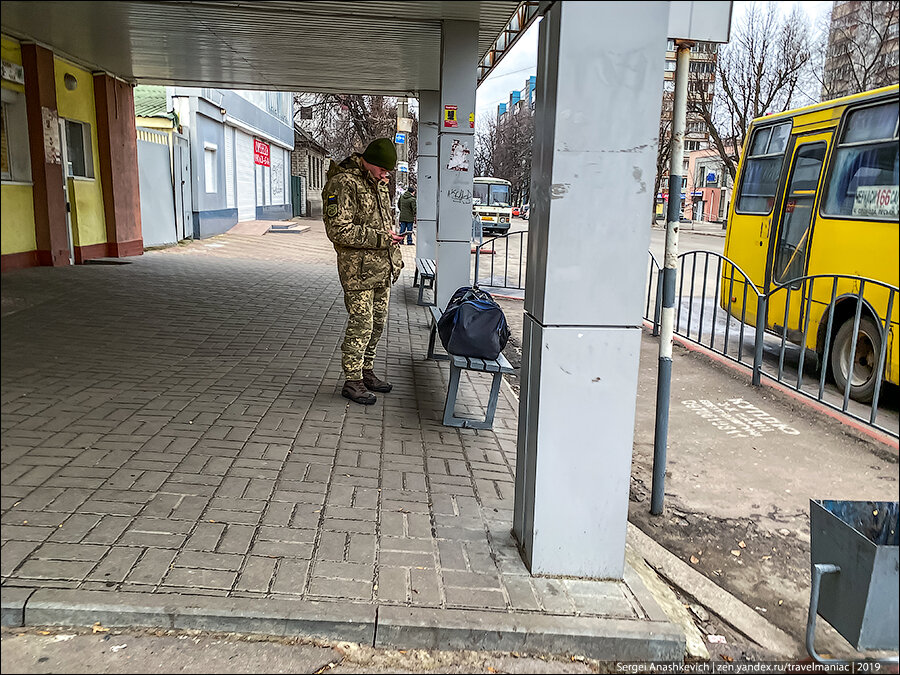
[(342, 47)]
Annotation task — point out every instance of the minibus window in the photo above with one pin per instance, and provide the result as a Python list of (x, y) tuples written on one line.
[(866, 167), (762, 169)]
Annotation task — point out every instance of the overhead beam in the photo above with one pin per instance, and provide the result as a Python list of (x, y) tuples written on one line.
[(526, 14)]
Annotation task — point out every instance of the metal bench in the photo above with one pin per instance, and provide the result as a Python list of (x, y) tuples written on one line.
[(496, 367), (425, 271)]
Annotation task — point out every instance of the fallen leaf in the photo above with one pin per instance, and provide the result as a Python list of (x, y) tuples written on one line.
[(766, 557), (44, 632), (780, 602), (694, 560), (97, 628), (726, 658), (742, 544), (736, 553)]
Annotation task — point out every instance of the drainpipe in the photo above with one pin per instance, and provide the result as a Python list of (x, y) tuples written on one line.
[(667, 316)]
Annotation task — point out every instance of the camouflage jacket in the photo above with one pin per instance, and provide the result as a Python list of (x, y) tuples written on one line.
[(357, 220)]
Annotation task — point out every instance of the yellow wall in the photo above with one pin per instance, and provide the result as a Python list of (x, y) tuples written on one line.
[(88, 221), (17, 211), (160, 123)]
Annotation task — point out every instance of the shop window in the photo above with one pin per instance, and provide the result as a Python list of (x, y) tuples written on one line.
[(211, 173), (15, 155), (78, 149)]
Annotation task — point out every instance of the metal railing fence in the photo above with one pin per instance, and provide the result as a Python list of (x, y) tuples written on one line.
[(506, 255), (789, 334)]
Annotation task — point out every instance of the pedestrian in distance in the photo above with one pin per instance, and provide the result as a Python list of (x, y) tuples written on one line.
[(407, 205), (358, 221)]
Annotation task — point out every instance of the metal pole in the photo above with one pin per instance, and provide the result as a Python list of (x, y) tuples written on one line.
[(667, 316), (403, 148)]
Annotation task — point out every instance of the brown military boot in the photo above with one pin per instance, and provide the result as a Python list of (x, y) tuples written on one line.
[(356, 391), (374, 384)]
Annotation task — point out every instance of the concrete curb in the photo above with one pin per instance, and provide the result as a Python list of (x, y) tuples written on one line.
[(604, 639), (386, 626), (712, 596), (62, 607)]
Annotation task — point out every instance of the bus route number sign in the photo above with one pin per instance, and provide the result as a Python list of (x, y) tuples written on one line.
[(876, 201)]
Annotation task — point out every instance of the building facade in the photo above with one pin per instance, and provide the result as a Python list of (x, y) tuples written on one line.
[(518, 99), (708, 189), (863, 47), (69, 189), (309, 165), (701, 83), (240, 145)]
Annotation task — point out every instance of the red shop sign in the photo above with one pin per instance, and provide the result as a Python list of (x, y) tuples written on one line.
[(261, 152)]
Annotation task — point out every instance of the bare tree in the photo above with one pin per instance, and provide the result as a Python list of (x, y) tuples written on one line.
[(858, 48), (761, 71), (485, 145), (512, 149), (347, 123), (663, 155)]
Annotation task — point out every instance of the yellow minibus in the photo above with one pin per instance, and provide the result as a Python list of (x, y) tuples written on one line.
[(816, 194)]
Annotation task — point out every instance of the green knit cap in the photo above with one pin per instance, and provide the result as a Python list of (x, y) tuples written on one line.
[(381, 152)]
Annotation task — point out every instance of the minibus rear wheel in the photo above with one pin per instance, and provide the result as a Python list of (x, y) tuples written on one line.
[(865, 361)]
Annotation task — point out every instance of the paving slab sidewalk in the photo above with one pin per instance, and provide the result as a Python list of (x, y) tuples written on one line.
[(175, 450)]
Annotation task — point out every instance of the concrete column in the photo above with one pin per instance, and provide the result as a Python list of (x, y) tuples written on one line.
[(456, 155), (596, 121), (51, 228), (427, 175), (117, 144)]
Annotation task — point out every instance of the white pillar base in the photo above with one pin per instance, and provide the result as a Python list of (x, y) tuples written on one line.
[(581, 384)]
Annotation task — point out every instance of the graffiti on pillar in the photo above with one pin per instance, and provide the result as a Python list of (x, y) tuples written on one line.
[(459, 156), (52, 149), (460, 196)]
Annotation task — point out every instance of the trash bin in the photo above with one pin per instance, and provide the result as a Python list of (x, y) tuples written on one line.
[(854, 561)]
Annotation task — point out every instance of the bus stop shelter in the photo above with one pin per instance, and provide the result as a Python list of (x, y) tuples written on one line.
[(599, 89)]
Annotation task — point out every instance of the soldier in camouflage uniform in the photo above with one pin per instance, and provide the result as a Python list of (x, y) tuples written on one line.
[(358, 221)]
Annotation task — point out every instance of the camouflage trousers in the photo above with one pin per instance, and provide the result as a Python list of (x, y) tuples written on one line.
[(367, 315)]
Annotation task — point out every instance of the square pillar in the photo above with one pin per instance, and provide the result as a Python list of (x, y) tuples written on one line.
[(596, 119), (456, 156), (44, 142), (427, 175), (117, 144)]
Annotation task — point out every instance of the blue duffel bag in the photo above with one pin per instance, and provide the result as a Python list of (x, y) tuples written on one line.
[(473, 325)]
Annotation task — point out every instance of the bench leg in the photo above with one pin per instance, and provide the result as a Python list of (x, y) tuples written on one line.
[(416, 278), (422, 288), (492, 401), (450, 418), (431, 338)]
